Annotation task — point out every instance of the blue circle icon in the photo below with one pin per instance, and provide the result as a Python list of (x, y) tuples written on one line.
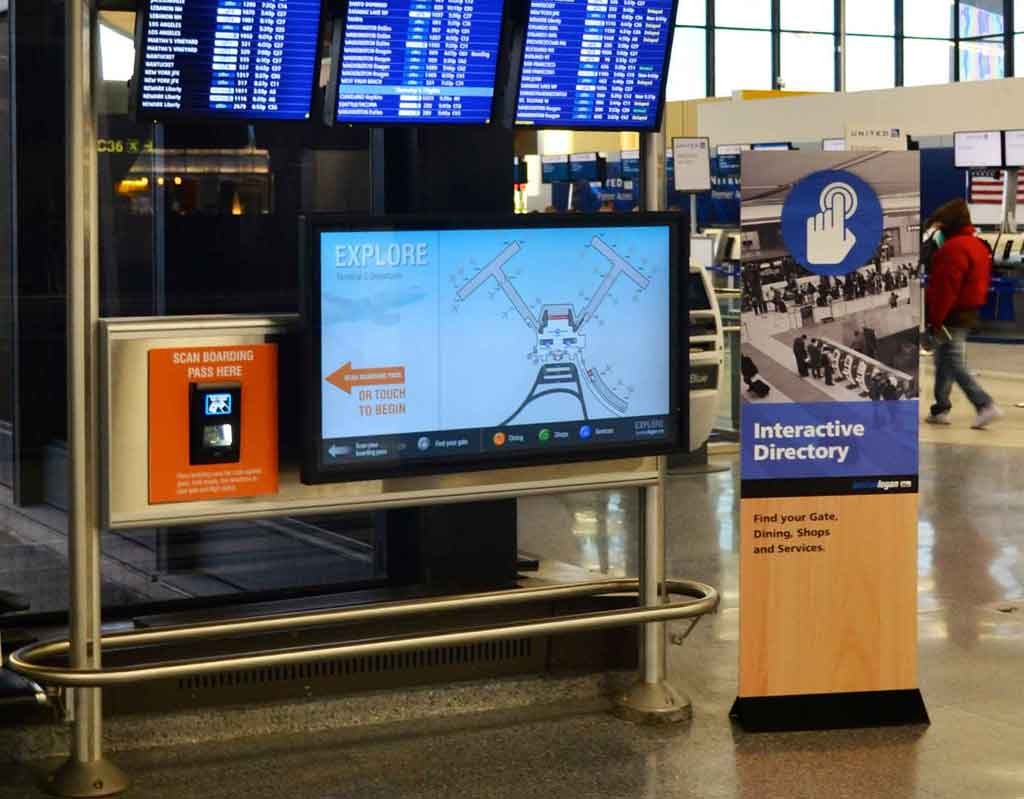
[(832, 222), (586, 432)]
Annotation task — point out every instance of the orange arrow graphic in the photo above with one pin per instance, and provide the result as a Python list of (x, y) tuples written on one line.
[(347, 377)]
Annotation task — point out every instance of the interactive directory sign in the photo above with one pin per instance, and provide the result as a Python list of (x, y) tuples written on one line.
[(595, 63), (1014, 147), (249, 59), (978, 148), (419, 61), (492, 345)]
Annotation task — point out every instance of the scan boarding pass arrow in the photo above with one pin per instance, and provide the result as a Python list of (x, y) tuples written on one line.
[(346, 377)]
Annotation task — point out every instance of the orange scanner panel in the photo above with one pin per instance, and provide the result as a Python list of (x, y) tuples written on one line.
[(172, 478)]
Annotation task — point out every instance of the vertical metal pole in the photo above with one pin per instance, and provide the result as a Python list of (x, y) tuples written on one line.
[(652, 581), (841, 14), (86, 773), (693, 214), (652, 699), (1010, 185), (655, 178)]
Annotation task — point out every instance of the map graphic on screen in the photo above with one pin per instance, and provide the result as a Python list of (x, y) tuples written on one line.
[(479, 341)]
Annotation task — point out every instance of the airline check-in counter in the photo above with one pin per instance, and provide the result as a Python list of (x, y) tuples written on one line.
[(1006, 296)]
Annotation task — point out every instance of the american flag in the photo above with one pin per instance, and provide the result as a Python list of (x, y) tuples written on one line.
[(985, 187)]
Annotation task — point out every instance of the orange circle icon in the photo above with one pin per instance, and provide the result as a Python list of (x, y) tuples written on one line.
[(500, 439)]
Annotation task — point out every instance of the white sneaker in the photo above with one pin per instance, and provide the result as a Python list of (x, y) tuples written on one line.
[(939, 418), (986, 416)]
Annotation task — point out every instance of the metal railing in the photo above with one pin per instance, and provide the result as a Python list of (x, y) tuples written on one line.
[(31, 660)]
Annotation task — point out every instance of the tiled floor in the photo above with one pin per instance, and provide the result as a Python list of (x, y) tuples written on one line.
[(971, 569)]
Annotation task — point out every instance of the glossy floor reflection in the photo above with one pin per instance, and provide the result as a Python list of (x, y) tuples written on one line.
[(971, 571)]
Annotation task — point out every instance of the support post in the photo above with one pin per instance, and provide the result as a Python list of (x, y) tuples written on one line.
[(652, 146), (1009, 224), (652, 699), (86, 773)]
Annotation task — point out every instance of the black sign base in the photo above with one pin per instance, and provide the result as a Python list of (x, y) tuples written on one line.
[(829, 711)]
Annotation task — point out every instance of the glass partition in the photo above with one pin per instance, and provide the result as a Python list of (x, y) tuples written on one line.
[(6, 260)]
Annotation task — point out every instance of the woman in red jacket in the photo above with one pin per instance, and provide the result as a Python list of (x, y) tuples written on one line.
[(958, 284)]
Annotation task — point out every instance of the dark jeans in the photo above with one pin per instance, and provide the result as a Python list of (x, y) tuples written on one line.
[(950, 368)]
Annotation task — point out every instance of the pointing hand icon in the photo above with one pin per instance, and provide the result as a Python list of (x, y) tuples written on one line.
[(828, 239)]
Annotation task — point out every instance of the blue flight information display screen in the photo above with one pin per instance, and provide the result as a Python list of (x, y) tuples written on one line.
[(594, 63), (419, 61), (250, 59), (493, 342)]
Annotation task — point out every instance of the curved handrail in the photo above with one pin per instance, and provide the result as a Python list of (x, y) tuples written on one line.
[(703, 599)]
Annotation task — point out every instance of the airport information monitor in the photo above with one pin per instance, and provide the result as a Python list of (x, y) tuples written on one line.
[(595, 64), (418, 61), (1014, 148), (978, 148), (437, 347), (244, 59)]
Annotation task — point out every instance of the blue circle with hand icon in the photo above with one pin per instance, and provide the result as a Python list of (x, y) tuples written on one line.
[(832, 222)]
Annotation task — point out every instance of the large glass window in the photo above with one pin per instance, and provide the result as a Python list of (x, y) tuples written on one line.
[(870, 16), (801, 15), (870, 63), (743, 60), (928, 18), (808, 62), (927, 61), (692, 12), (982, 59), (743, 13), (687, 76)]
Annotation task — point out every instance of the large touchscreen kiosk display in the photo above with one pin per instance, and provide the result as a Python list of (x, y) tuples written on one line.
[(488, 344)]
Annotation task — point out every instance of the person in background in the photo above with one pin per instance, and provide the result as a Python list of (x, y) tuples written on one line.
[(958, 285), (814, 356), (800, 353), (828, 365)]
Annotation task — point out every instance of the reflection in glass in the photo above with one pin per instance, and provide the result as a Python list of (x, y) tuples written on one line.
[(870, 63), (981, 18), (117, 54), (808, 62), (687, 75), (743, 60), (983, 59), (927, 61)]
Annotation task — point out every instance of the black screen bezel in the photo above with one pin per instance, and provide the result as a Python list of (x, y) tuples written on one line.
[(164, 115), (1002, 150), (616, 126), (330, 116), (314, 472)]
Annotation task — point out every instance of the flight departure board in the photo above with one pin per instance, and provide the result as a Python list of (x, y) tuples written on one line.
[(249, 59), (595, 63), (419, 61)]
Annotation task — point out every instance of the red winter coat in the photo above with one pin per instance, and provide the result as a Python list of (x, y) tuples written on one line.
[(959, 278)]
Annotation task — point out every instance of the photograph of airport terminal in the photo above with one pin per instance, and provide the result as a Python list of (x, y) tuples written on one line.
[(815, 338)]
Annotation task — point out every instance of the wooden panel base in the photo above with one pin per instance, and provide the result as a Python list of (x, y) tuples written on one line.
[(828, 589)]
